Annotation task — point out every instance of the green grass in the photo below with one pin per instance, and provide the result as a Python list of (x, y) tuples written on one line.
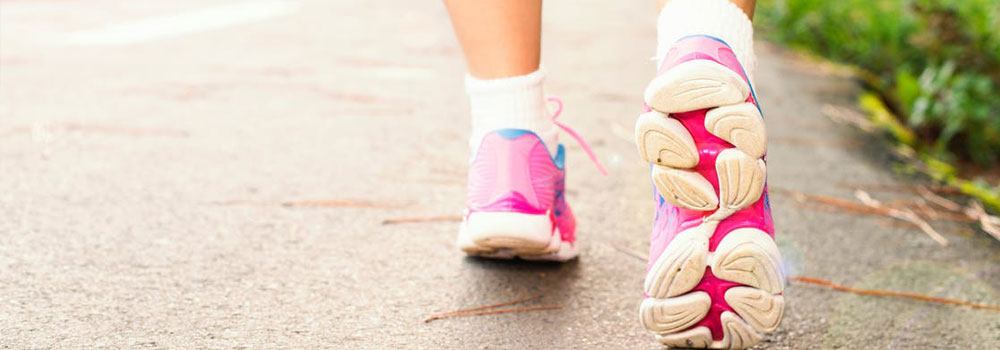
[(934, 66), (936, 63)]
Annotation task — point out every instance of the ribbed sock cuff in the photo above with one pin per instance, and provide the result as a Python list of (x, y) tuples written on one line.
[(719, 18), (514, 102)]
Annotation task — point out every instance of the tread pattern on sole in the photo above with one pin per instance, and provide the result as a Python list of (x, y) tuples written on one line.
[(698, 337), (674, 314), (760, 309), (665, 141), (741, 181), (749, 256), (693, 85), (741, 125), (746, 256), (680, 268), (685, 188), (737, 334)]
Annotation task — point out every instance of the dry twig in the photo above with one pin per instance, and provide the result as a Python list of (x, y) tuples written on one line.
[(907, 209), (871, 206), (485, 309), (877, 292), (903, 214), (336, 203), (843, 204), (97, 129), (920, 206), (938, 189), (938, 200), (448, 218), (491, 312), (989, 223)]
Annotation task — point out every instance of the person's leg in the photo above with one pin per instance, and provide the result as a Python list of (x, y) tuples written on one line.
[(747, 6), (728, 20), (515, 205), (501, 42), (714, 279), (500, 38)]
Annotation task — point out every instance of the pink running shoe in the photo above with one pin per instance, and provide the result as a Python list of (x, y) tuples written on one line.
[(515, 204), (714, 278)]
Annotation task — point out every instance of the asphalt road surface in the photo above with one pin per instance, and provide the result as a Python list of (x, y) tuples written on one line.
[(216, 174)]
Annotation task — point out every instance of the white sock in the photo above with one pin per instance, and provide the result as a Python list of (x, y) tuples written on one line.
[(514, 102), (719, 18)]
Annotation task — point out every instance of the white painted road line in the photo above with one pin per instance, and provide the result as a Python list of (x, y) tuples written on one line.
[(150, 29)]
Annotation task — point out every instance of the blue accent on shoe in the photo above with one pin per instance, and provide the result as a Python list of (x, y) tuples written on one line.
[(705, 36), (559, 159), (511, 134)]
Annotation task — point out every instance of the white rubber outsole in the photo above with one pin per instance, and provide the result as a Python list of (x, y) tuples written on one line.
[(746, 256), (502, 235), (694, 85)]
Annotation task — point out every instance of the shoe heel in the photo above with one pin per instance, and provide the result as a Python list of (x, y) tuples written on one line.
[(484, 233), (695, 84)]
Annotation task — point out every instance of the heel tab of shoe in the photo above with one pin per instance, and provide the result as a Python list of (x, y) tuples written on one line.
[(714, 18), (560, 158), (692, 36), (514, 134), (511, 134)]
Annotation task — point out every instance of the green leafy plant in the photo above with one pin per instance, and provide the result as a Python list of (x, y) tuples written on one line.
[(936, 63), (933, 65)]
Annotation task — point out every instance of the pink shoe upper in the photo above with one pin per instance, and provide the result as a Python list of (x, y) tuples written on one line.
[(670, 220), (513, 172)]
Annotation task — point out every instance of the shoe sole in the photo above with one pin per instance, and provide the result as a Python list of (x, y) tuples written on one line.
[(694, 85), (513, 235), (746, 256)]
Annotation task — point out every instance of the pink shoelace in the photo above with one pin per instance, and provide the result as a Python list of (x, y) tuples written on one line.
[(568, 130)]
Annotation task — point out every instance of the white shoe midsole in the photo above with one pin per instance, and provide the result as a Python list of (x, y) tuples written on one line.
[(508, 230)]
